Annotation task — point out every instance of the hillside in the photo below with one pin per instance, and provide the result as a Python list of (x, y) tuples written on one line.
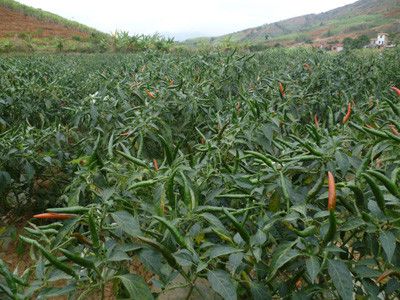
[(26, 28), (17, 18), (362, 17)]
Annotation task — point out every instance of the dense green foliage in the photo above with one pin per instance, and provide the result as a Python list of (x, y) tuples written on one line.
[(357, 43), (197, 166), (118, 42)]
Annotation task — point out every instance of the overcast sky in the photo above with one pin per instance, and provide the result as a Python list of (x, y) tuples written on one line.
[(182, 18)]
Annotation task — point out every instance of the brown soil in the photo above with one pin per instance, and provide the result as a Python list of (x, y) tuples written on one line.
[(13, 23)]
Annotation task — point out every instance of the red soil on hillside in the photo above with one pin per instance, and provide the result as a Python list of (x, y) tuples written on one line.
[(13, 23)]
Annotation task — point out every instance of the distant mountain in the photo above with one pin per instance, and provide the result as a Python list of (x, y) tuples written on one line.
[(367, 17)]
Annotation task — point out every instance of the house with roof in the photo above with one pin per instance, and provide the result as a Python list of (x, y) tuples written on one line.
[(382, 41), (337, 47)]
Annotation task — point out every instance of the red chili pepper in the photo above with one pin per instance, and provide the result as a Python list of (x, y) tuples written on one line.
[(316, 121), (54, 216), (348, 114), (331, 192), (395, 89), (155, 164), (281, 89)]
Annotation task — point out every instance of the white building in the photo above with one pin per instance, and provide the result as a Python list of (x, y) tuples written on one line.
[(382, 39)]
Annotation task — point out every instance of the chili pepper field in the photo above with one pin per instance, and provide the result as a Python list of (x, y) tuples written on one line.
[(218, 174)]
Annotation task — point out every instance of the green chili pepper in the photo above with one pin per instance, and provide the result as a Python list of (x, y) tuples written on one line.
[(393, 107), (142, 184), (71, 209), (330, 235), (8, 276), (243, 233), (376, 191), (93, 231), (170, 190), (368, 218), (78, 259), (233, 196), (391, 186), (51, 258), (285, 191), (111, 146), (312, 193), (307, 146), (166, 253), (395, 175), (365, 163), (358, 194), (50, 226), (310, 230), (301, 158), (135, 160), (175, 232), (262, 157), (167, 149)]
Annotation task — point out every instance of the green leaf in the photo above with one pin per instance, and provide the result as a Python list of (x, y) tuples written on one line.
[(342, 161), (5, 180), (234, 261), (136, 287), (341, 278), (282, 255), (388, 241), (221, 250), (259, 291), (313, 267), (127, 223), (222, 284)]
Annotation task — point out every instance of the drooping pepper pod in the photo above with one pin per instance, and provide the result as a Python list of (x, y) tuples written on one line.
[(396, 90), (282, 90), (348, 114)]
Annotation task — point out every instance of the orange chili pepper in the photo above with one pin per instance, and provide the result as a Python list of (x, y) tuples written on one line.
[(348, 114), (331, 192), (281, 89), (155, 164), (238, 106), (55, 216), (384, 276), (394, 129), (307, 67), (395, 89), (150, 94), (299, 283), (316, 121)]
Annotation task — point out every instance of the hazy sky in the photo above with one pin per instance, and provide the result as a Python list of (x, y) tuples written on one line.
[(182, 18)]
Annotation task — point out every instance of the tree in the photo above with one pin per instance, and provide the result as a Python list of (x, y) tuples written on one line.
[(348, 43)]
